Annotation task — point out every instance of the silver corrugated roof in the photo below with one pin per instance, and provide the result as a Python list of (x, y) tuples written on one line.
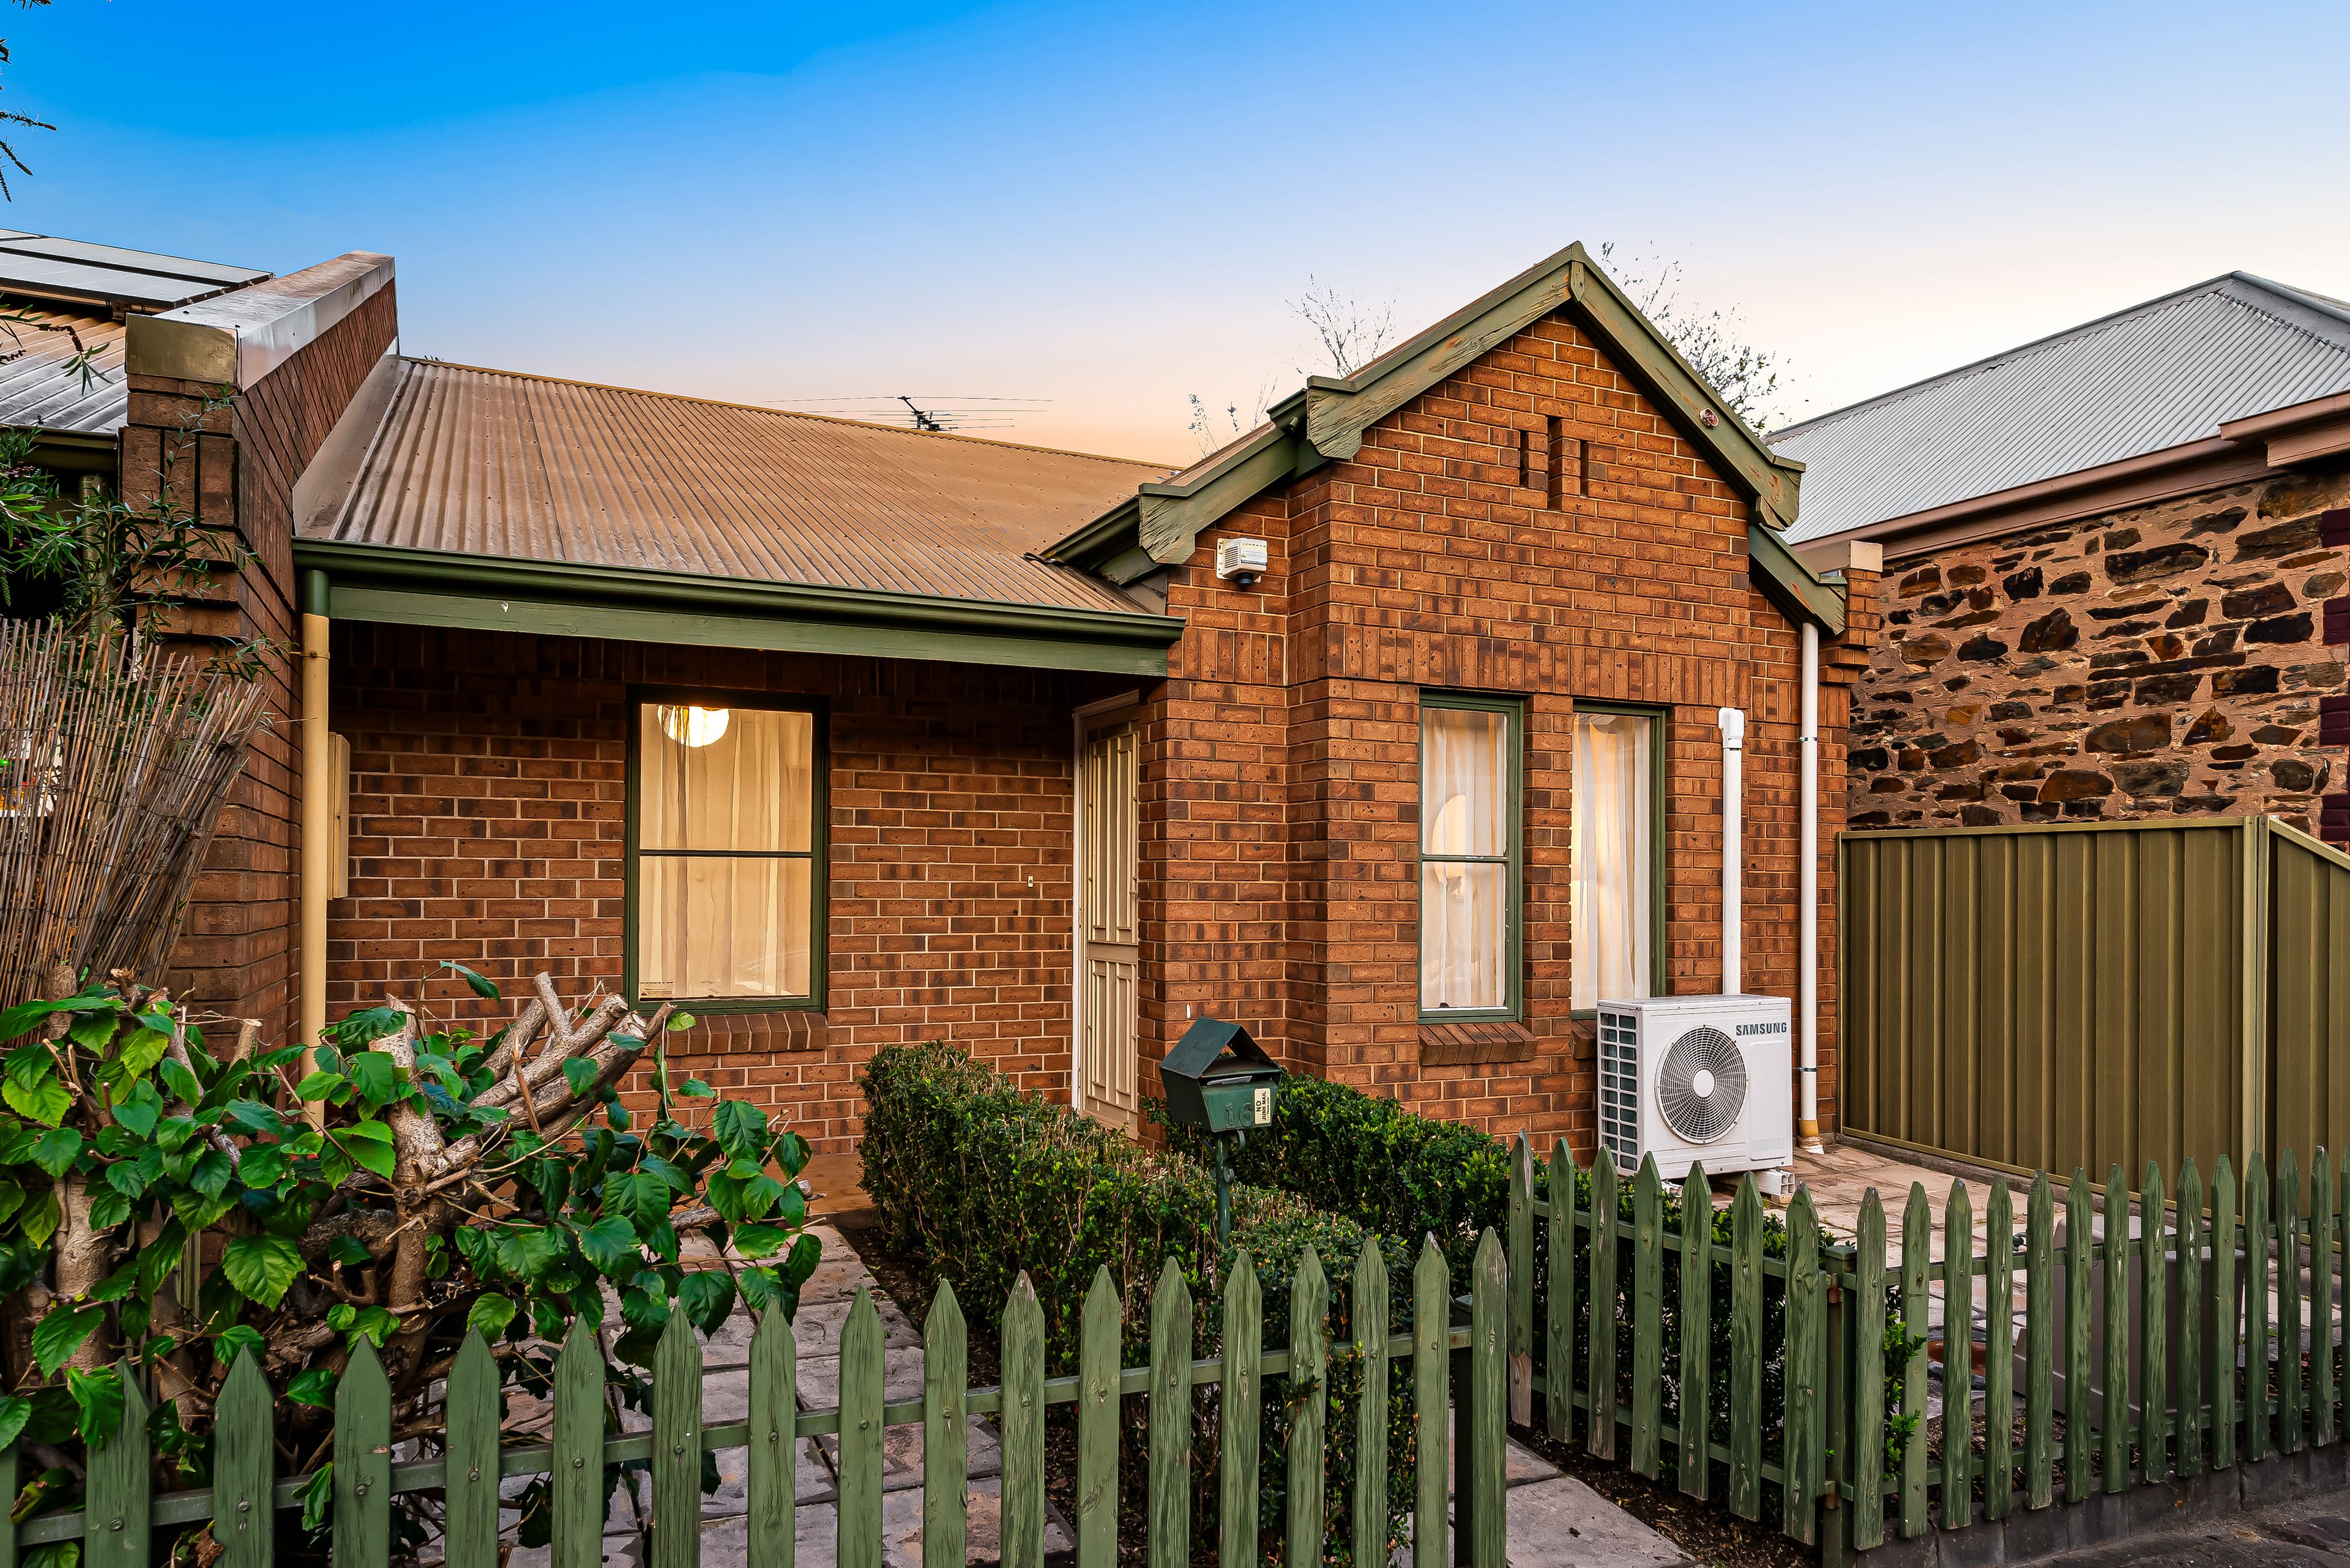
[(2158, 375), (41, 381), (44, 266), (492, 463)]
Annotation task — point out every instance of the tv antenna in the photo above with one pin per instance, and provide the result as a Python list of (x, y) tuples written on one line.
[(934, 412)]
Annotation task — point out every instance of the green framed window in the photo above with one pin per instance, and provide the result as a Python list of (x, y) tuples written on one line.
[(726, 870), (1472, 884), (1616, 854)]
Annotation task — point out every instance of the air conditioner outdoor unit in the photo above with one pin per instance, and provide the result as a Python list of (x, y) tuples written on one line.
[(1692, 1078)]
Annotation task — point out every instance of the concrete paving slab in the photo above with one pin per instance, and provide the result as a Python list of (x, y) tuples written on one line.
[(1562, 1523), (1523, 1466), (725, 1543), (816, 1328), (902, 1453), (901, 1378)]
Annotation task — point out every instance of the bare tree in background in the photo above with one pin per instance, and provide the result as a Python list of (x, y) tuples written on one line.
[(1714, 342), (1215, 428), (8, 118), (1352, 333), (1349, 334)]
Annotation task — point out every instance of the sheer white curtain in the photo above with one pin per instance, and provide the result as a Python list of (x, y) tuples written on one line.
[(1464, 895), (1611, 850), (737, 787)]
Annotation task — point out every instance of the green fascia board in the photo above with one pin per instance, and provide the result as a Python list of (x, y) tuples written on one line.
[(1324, 420), (1730, 443), (1799, 592), (73, 451), (1172, 517), (433, 587)]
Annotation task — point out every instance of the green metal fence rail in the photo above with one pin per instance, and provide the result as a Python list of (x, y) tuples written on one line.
[(1460, 1364), (2046, 996), (2172, 1328)]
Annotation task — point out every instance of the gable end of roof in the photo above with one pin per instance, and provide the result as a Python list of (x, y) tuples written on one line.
[(1324, 422)]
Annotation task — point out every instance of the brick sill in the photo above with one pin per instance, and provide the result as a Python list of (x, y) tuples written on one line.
[(1475, 1045)]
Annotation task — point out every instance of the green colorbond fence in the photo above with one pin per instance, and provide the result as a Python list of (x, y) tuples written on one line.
[(2042, 997), (1459, 1362)]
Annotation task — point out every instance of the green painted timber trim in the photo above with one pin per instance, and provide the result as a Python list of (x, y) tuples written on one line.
[(1169, 518), (1791, 585), (432, 587), (1634, 343), (1323, 421)]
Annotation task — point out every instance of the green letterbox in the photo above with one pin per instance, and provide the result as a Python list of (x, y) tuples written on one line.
[(1218, 1079)]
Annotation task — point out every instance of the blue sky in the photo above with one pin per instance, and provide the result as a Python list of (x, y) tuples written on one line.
[(1106, 208)]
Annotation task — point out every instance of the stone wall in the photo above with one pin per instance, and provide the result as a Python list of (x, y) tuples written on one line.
[(2166, 659)]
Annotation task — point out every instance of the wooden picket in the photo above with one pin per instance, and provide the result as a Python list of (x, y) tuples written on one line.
[(120, 1510), (2203, 1374), (2176, 1336)]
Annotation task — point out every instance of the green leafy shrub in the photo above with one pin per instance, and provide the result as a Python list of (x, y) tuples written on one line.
[(181, 1205), (983, 1181), (1368, 1158)]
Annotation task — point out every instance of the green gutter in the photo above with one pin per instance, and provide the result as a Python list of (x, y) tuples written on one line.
[(1791, 585), (556, 598)]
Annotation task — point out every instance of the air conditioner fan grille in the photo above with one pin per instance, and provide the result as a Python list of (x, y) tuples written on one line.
[(1701, 1086)]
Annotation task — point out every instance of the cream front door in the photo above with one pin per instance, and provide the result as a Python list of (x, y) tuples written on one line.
[(1108, 777)]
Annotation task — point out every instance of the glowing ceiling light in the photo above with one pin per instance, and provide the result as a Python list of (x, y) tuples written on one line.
[(694, 726)]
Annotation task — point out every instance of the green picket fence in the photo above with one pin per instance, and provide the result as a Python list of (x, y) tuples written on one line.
[(1457, 1365), (2164, 1336)]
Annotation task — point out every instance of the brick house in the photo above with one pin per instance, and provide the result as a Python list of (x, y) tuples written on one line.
[(2115, 560), (841, 735)]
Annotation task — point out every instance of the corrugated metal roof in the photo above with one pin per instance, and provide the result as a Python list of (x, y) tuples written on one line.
[(496, 463), (41, 385), (44, 266), (2158, 375)]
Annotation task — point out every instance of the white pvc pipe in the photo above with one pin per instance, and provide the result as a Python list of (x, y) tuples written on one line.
[(1807, 896), (1732, 721)]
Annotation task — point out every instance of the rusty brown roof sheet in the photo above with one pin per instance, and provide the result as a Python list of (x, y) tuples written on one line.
[(492, 463), (40, 384)]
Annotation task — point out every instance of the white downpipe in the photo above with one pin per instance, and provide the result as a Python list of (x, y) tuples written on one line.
[(1732, 721), (1807, 896)]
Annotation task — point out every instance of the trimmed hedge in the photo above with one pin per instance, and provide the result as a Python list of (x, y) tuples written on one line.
[(1368, 1158), (983, 1181)]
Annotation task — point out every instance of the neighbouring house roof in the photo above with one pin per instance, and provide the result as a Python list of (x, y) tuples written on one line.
[(2158, 375), (60, 298), (44, 383), (1160, 521), (590, 501), (74, 272)]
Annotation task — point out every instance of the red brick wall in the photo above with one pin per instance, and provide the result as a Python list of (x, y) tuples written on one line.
[(1281, 763), (237, 951), (486, 826)]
